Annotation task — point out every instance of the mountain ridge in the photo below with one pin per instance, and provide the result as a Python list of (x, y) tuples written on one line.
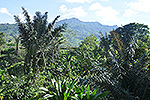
[(80, 28), (83, 29), (96, 27)]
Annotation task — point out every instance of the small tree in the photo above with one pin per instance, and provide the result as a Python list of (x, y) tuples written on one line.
[(89, 43)]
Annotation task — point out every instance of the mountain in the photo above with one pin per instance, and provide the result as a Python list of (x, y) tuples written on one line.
[(83, 29), (9, 29), (79, 29)]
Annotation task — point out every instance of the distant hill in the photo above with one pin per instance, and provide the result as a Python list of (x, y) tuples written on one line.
[(81, 29), (9, 29), (86, 28)]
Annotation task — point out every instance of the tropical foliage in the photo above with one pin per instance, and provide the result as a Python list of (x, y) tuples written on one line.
[(35, 66)]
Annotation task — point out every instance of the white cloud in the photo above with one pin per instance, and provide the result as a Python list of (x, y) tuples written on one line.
[(137, 7), (63, 8), (74, 12), (108, 14), (5, 11), (82, 1), (96, 6), (79, 1), (78, 11), (103, 0), (129, 12), (140, 5)]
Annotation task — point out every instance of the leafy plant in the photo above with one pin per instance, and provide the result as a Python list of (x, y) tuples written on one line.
[(87, 94), (61, 90), (69, 90)]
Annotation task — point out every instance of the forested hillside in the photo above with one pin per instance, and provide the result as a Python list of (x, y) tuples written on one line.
[(77, 30), (35, 67), (83, 29), (9, 29), (86, 28)]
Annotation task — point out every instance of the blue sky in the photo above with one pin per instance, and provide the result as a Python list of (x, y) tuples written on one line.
[(107, 12)]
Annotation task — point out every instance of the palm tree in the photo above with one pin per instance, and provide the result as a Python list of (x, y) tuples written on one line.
[(126, 72), (40, 39)]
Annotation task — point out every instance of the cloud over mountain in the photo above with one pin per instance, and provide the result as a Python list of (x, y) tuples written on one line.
[(74, 12), (5, 11), (107, 14)]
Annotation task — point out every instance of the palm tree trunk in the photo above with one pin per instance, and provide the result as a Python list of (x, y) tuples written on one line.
[(17, 48)]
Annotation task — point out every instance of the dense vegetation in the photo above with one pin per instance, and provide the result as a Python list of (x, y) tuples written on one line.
[(113, 67)]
